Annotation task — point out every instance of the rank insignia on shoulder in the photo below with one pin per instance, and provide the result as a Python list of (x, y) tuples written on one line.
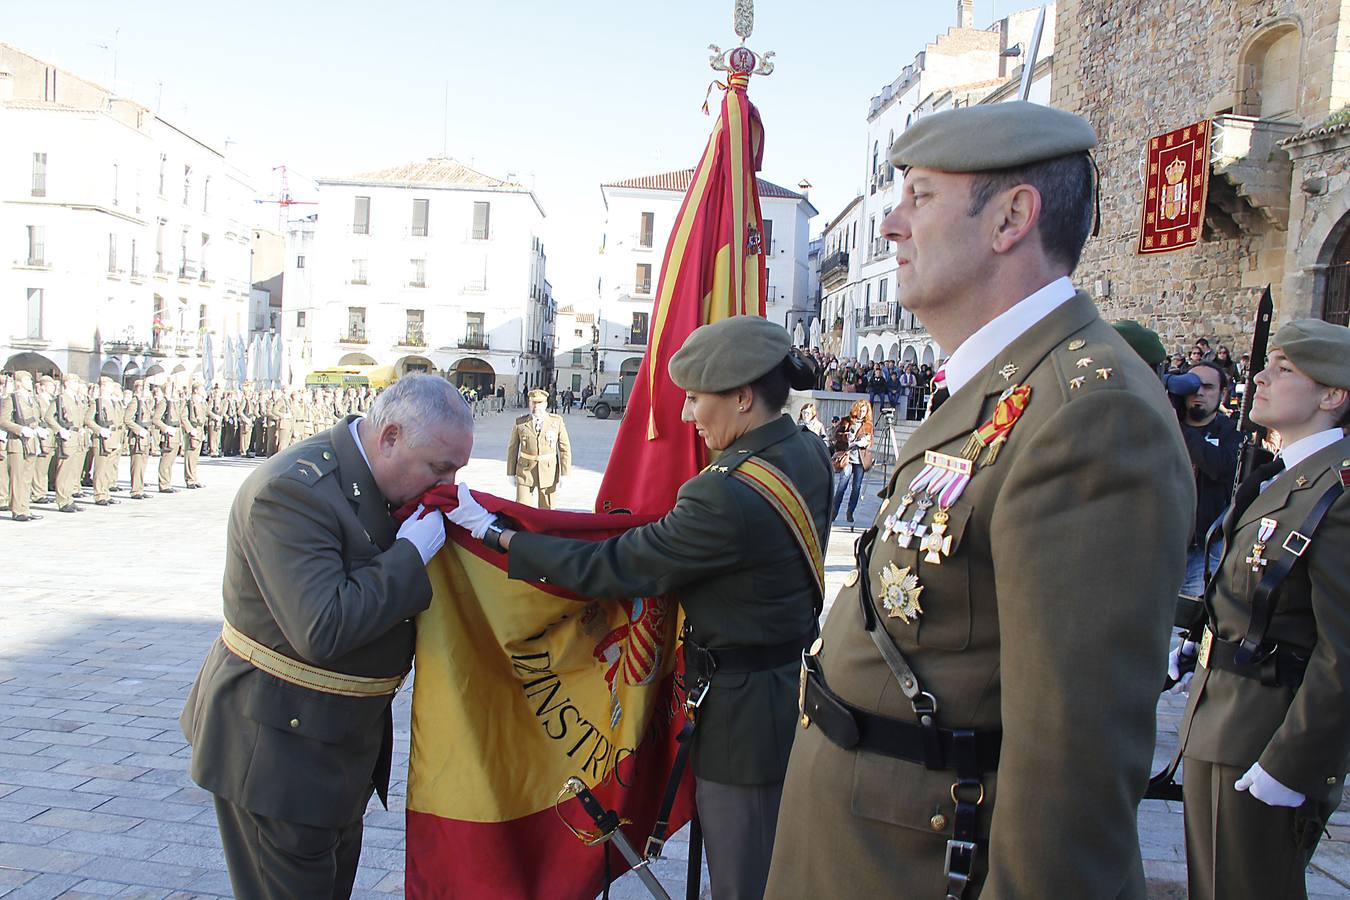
[(1077, 344), (900, 593)]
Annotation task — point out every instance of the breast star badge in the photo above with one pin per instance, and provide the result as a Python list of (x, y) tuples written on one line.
[(1104, 374), (1084, 362), (1076, 383), (1008, 371), (900, 593)]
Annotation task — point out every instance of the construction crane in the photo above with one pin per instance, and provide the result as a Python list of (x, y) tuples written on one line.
[(284, 200)]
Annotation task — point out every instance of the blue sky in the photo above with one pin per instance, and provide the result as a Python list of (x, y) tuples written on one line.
[(565, 95)]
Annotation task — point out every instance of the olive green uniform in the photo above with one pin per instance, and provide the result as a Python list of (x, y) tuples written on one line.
[(742, 581), (169, 423), (107, 416), (72, 417), (1236, 846), (538, 458), (314, 571), (195, 421), (18, 411), (140, 425), (1048, 619)]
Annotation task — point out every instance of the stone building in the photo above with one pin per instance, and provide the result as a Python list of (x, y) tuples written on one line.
[(1273, 76)]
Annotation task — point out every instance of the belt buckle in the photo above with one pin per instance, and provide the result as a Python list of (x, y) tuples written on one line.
[(694, 698), (959, 864), (1302, 541), (1206, 644)]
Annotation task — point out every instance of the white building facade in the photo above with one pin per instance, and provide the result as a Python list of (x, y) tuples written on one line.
[(125, 240), (639, 216), (427, 267), (964, 66), (574, 345)]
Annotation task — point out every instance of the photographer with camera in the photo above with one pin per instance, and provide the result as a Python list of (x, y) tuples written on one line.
[(1213, 442)]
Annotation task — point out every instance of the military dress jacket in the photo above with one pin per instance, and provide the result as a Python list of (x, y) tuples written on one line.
[(168, 416), (19, 411), (71, 414), (138, 417), (107, 414), (539, 458), (741, 579), (1299, 735), (1047, 618), (314, 571), (194, 424)]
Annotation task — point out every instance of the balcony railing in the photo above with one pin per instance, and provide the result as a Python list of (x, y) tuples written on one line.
[(880, 249), (642, 287), (474, 340), (353, 336), (413, 337), (835, 263)]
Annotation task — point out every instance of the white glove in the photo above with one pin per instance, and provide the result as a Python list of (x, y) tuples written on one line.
[(104, 433), (27, 432), (1183, 682), (470, 514), (1266, 789), (426, 532), (44, 433), (65, 434)]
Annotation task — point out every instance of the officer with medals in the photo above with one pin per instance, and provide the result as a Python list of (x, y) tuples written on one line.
[(289, 718), (747, 580), (538, 454), (1266, 735), (978, 719)]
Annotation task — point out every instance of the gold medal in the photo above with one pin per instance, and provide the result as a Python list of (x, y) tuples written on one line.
[(937, 542), (900, 592)]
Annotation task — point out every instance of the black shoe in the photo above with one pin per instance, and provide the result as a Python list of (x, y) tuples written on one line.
[(87, 482), (69, 508), (137, 496), (168, 491), (46, 498), (79, 495), (27, 518), (4, 508), (850, 518), (115, 489), (108, 502)]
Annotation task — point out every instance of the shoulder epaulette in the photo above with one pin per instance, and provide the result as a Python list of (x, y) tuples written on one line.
[(1085, 366), (311, 467)]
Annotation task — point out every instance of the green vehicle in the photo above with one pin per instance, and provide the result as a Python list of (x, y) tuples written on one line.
[(612, 398)]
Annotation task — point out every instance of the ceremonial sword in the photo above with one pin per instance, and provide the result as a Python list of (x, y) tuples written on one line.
[(607, 820)]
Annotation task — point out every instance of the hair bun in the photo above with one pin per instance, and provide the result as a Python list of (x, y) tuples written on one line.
[(801, 371)]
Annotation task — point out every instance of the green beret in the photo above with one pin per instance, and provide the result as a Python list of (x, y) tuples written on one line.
[(1143, 341), (1321, 350), (991, 136), (728, 354)]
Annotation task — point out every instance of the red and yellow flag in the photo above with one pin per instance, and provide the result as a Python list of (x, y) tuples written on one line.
[(520, 686), (713, 269)]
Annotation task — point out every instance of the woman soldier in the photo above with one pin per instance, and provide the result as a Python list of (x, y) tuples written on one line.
[(1267, 729), (750, 593)]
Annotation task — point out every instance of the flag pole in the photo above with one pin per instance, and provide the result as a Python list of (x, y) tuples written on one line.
[(1035, 50)]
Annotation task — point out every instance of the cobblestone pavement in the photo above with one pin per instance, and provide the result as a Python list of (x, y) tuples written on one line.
[(107, 616)]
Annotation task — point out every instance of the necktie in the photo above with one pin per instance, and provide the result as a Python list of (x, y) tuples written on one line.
[(940, 393), (1251, 487)]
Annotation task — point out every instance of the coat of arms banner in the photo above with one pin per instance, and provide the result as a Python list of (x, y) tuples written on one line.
[(1175, 188)]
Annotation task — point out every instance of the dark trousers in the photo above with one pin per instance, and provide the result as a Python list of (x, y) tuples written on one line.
[(272, 859), (738, 822), (1238, 847), (852, 475)]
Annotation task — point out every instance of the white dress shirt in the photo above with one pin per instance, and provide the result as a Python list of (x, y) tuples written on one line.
[(981, 347)]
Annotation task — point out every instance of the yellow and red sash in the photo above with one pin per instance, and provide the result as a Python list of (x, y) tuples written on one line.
[(771, 484)]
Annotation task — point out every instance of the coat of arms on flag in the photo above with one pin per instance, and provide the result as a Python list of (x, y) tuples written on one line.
[(1176, 185)]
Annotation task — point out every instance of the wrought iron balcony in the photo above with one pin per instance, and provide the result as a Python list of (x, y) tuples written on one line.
[(835, 264)]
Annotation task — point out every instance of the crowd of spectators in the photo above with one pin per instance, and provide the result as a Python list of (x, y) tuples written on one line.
[(1220, 357), (904, 386)]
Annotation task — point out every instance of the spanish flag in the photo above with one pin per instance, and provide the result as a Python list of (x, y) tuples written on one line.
[(520, 686)]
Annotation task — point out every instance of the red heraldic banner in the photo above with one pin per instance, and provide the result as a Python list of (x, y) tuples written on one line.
[(713, 269), (1175, 189), (520, 685)]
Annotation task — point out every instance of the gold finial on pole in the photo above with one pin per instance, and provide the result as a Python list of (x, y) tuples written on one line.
[(741, 59), (744, 19)]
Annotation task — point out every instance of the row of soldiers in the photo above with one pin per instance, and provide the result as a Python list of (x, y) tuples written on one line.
[(60, 435)]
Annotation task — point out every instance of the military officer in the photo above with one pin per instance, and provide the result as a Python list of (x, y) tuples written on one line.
[(44, 467), (746, 577), (319, 587), (979, 716), (215, 419), (6, 388), (107, 416), (538, 453), (284, 410), (71, 413), (1267, 729), (140, 426), (169, 425), (196, 418), (19, 419)]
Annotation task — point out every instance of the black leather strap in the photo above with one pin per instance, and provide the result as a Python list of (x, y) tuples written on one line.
[(1265, 596), (852, 728), (702, 662), (657, 840), (1279, 666)]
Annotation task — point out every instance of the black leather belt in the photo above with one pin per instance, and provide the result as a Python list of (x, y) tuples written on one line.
[(855, 729), (1277, 667), (702, 663)]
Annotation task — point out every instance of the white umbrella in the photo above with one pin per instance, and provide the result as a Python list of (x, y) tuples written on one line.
[(278, 362), (208, 361), (256, 373), (798, 335), (848, 346), (815, 334)]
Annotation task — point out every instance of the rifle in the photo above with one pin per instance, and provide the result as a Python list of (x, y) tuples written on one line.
[(1254, 434)]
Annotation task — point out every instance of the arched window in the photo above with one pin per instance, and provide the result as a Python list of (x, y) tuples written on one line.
[(1268, 72)]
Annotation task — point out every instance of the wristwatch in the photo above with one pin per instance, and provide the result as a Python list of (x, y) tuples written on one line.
[(492, 538)]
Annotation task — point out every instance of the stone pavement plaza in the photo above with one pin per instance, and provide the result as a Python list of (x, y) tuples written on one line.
[(107, 616)]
